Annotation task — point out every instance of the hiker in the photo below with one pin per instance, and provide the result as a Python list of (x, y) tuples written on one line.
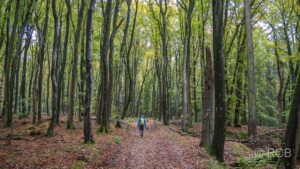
[(141, 124)]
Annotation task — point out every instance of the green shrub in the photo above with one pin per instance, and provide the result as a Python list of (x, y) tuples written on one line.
[(266, 120), (117, 140)]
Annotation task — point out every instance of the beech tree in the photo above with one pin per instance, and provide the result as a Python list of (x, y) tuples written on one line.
[(88, 136), (218, 140)]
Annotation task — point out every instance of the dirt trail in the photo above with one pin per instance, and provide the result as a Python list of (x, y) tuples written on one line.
[(162, 148)]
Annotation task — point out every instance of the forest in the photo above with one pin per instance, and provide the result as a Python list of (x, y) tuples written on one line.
[(150, 84)]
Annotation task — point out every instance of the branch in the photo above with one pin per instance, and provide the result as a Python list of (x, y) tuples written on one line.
[(250, 139)]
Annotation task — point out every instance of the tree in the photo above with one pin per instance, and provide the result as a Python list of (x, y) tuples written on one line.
[(38, 87), (252, 122), (127, 58), (24, 71), (218, 141), (104, 72), (61, 74), (163, 8), (70, 124), (208, 99), (8, 67), (53, 71), (291, 140), (88, 136), (186, 63)]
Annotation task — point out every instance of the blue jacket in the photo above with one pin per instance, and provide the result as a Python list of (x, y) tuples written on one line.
[(139, 121)]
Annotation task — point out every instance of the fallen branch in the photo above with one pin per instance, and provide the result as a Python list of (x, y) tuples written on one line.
[(190, 133), (250, 139), (9, 138)]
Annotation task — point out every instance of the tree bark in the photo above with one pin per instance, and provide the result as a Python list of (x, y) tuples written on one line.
[(186, 66), (292, 133), (218, 141), (8, 67), (104, 63), (281, 80), (208, 99), (88, 136), (252, 121), (24, 72), (61, 75), (163, 6), (53, 71), (70, 122)]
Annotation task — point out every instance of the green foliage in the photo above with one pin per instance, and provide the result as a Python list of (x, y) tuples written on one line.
[(78, 165), (214, 164), (264, 160), (267, 120), (117, 140), (237, 135), (239, 150)]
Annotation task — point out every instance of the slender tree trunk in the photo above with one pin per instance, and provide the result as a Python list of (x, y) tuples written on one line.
[(24, 72), (53, 70), (218, 141), (127, 57), (70, 124), (208, 99), (105, 74), (292, 134), (8, 70), (82, 77), (163, 7), (88, 136), (111, 54), (41, 57), (186, 67), (252, 122), (61, 76), (281, 79)]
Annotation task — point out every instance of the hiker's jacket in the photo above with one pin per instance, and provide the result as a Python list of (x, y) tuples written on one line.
[(140, 121)]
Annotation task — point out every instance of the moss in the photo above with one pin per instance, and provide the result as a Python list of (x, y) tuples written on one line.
[(239, 150), (70, 125), (214, 164), (78, 165), (117, 140), (264, 160), (237, 135)]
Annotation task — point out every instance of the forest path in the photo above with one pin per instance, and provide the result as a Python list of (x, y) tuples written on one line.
[(162, 148)]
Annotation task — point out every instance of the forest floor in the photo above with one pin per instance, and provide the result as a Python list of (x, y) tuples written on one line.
[(161, 147)]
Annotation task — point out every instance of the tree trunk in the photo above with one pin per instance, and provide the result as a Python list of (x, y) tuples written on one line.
[(61, 74), (252, 121), (53, 71), (208, 99), (8, 68), (127, 57), (24, 72), (70, 123), (218, 141), (292, 134), (163, 6), (41, 62), (111, 54), (104, 63), (281, 80), (88, 136), (186, 67)]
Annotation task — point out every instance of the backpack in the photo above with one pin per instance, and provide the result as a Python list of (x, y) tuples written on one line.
[(142, 121)]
